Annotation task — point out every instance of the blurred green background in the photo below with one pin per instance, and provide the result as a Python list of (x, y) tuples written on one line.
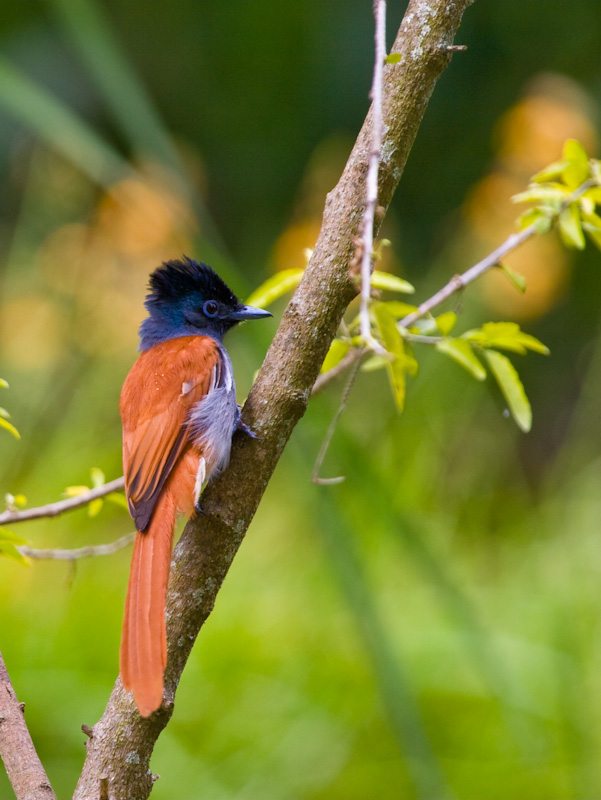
[(430, 627)]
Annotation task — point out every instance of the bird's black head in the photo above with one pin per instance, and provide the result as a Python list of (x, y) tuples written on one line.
[(189, 299)]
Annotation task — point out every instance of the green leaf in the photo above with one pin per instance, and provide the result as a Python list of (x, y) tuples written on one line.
[(570, 227), (8, 546), (411, 364), (10, 537), (393, 343), (98, 478), (374, 363), (118, 499), (554, 170), (461, 352), (338, 350), (538, 217), (517, 281), (577, 170), (275, 287), (446, 322), (76, 491), (555, 192), (506, 336), (95, 507), (399, 309), (591, 223), (393, 58), (543, 224), (594, 194), (10, 551), (10, 428), (392, 283), (595, 236), (592, 220), (586, 205), (511, 387)]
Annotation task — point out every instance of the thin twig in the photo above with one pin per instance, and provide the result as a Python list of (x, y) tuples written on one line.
[(493, 259), (417, 338), (78, 552), (371, 183), (354, 354), (55, 509), (328, 438)]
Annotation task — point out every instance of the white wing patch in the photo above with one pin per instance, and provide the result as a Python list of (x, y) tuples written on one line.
[(187, 387), (200, 478)]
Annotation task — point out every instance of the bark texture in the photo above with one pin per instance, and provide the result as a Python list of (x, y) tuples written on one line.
[(122, 742), (23, 767)]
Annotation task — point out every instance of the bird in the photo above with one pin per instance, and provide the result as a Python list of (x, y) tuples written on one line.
[(179, 413)]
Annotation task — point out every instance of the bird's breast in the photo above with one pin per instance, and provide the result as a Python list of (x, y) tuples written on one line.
[(212, 420)]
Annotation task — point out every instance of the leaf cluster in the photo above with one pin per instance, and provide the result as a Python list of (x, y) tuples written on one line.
[(98, 480), (567, 193)]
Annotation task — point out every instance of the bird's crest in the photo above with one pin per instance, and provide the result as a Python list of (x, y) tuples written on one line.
[(174, 280)]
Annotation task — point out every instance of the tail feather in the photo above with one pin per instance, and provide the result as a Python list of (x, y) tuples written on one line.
[(143, 654)]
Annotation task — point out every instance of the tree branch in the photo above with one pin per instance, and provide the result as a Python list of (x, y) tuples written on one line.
[(459, 282), (122, 741), (55, 509), (23, 766), (75, 553), (354, 354)]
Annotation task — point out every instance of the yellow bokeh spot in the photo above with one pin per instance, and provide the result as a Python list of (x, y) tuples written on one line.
[(488, 209), (289, 250), (32, 332), (532, 133), (63, 257), (543, 261), (139, 217), (528, 137)]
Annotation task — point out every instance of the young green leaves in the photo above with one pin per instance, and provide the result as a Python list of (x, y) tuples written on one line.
[(486, 342), (9, 542), (567, 193), (95, 505)]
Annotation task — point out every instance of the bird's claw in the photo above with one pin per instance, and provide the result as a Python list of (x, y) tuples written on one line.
[(242, 426)]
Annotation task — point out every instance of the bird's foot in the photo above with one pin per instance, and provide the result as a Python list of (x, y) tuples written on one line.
[(242, 426), (198, 510)]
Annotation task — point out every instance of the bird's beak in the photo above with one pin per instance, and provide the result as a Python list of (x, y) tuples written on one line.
[(248, 312)]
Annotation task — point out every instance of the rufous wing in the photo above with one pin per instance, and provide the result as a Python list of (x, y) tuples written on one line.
[(164, 383), (161, 388)]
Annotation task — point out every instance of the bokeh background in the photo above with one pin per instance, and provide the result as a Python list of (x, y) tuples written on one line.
[(430, 627)]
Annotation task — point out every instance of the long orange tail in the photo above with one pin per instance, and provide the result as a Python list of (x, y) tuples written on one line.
[(143, 654)]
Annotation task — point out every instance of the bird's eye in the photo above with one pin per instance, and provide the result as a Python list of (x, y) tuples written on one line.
[(211, 308)]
